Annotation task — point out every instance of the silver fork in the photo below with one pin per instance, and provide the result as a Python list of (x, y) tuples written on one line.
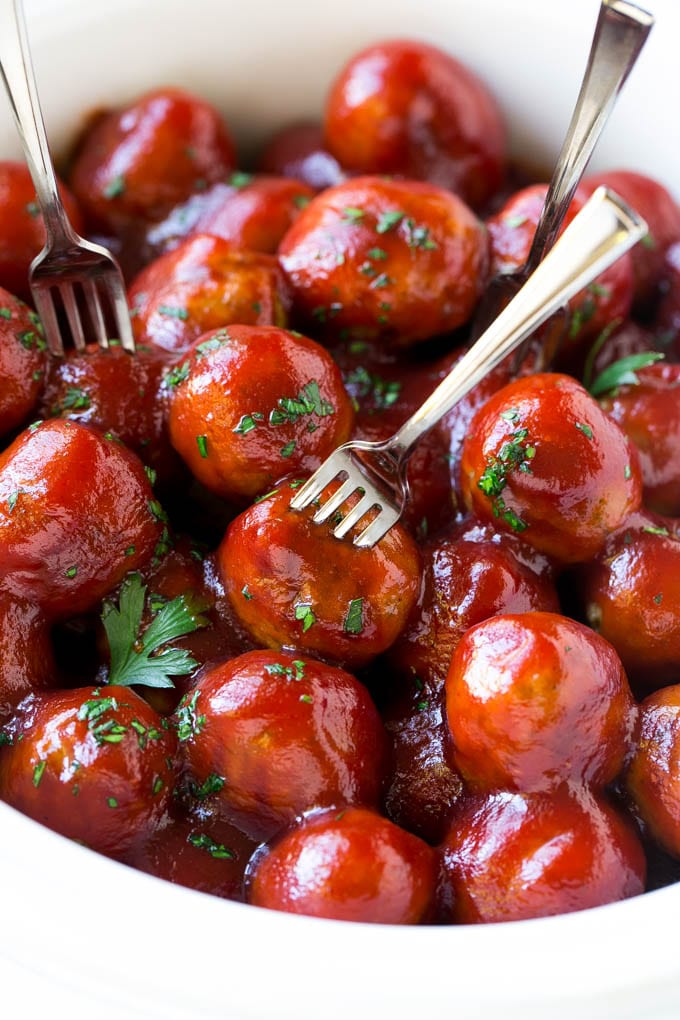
[(620, 34), (604, 229), (67, 260)]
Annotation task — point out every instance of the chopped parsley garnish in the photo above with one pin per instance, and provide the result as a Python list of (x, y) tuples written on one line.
[(246, 594), (5, 313), (388, 220), (304, 612), (623, 372), (381, 281), (218, 850), (38, 773), (383, 392), (31, 340), (71, 571), (247, 423), (12, 499), (158, 785), (173, 312), (419, 237), (74, 400), (585, 429), (308, 401), (138, 657), (177, 374), (5, 739), (213, 784), (213, 344), (658, 598), (296, 671), (627, 473), (202, 443), (188, 721), (513, 455), (104, 730), (354, 621), (650, 529), (350, 214), (288, 449), (239, 179), (377, 254), (115, 187), (157, 511), (307, 698), (112, 802)]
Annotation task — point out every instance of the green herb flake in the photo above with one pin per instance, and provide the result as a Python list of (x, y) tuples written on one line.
[(75, 400), (239, 179), (213, 344), (172, 312), (388, 221), (381, 281), (422, 706), (112, 802), (33, 210), (246, 594), (213, 784), (12, 500), (585, 429), (419, 237), (350, 214), (288, 449), (5, 739), (187, 720), (266, 495), (202, 443), (71, 571), (307, 698), (158, 785), (141, 657), (377, 254), (38, 773), (157, 511), (115, 188), (512, 415), (627, 473), (217, 850), (177, 375), (304, 612), (5, 313), (247, 423), (354, 622), (301, 201), (658, 598), (515, 221), (650, 529)]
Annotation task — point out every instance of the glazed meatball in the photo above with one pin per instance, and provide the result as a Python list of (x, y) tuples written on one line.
[(272, 735), (535, 700), (398, 261), (77, 512), (653, 777), (407, 108), (138, 162), (95, 764), (293, 584), (23, 360), (365, 869), (543, 460), (202, 285), (510, 856), (26, 657), (238, 428)]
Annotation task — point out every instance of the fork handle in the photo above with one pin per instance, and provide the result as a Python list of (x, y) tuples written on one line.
[(604, 229), (621, 31), (16, 69)]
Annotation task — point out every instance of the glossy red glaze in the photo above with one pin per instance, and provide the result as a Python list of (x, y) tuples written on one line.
[(115, 393), (463, 584), (248, 212), (239, 428), (26, 659), (649, 413), (201, 852), (23, 231), (608, 298), (374, 258), (298, 151), (510, 857), (301, 582), (653, 777), (202, 285), (536, 699), (662, 214), (283, 735), (23, 360), (403, 107), (84, 770), (136, 163), (631, 596), (350, 865), (77, 513), (556, 469)]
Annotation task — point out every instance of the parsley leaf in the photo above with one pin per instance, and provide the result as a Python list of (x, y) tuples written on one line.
[(354, 621), (622, 372), (132, 653)]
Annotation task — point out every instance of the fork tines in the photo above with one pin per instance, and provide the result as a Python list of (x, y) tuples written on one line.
[(353, 480)]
